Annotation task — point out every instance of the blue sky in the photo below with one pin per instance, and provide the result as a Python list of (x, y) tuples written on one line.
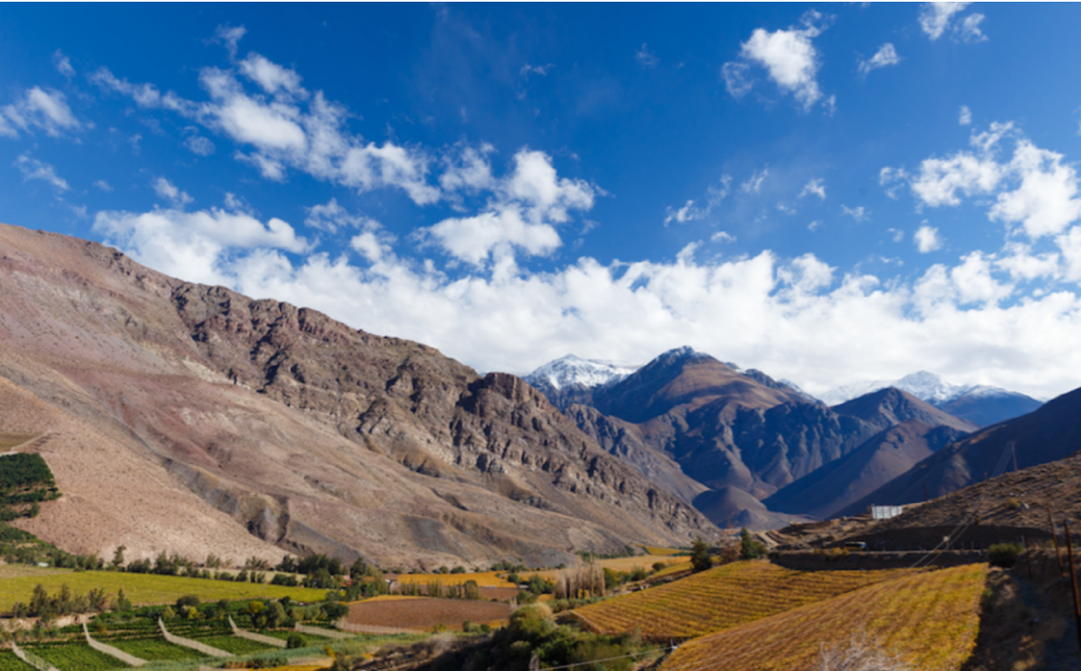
[(830, 193)]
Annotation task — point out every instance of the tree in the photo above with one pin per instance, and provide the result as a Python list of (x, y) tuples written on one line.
[(700, 559), (118, 557), (749, 548)]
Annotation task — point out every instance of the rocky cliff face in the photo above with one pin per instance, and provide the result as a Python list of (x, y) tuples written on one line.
[(300, 432)]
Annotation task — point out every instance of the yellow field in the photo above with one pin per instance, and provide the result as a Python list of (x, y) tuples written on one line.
[(142, 588), (673, 568), (720, 598), (486, 579), (930, 619), (661, 552), (9, 441)]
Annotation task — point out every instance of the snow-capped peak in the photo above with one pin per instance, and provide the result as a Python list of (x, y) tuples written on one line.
[(573, 371), (923, 385)]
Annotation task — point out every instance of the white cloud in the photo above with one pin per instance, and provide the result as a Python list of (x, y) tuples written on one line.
[(331, 217), (646, 57), (927, 239), (166, 190), (103, 185), (38, 108), (898, 234), (195, 246), (754, 182), (935, 17), (691, 211), (529, 203), (939, 180), (469, 170), (964, 117), (230, 36), (892, 179), (884, 57), (63, 64), (541, 70), (790, 60), (813, 226), (860, 213), (722, 236), (31, 168), (969, 31), (272, 77), (199, 145), (815, 187), (1046, 201)]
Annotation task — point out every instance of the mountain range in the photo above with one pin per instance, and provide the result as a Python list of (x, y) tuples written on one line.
[(187, 418)]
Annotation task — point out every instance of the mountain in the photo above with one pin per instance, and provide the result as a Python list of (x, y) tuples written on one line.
[(729, 431), (1050, 433), (185, 418), (980, 404), (569, 380)]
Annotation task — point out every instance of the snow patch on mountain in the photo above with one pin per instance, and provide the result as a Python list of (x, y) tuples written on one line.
[(572, 371), (923, 385)]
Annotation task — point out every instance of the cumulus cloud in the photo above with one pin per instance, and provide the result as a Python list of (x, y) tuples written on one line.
[(41, 109), (789, 57), (528, 205), (815, 187), (33, 169), (800, 318), (331, 217), (936, 18), (196, 246), (166, 190), (884, 57), (200, 145), (927, 239)]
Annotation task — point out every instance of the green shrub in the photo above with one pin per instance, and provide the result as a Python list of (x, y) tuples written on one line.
[(1004, 554), (296, 641)]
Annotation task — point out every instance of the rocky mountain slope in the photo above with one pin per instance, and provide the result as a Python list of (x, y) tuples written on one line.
[(980, 404), (193, 419), (686, 418), (1048, 434)]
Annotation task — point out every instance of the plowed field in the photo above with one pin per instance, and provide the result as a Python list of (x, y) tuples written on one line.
[(423, 613)]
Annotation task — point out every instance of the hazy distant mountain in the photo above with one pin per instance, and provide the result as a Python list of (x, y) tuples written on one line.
[(980, 404), (1051, 432), (570, 379)]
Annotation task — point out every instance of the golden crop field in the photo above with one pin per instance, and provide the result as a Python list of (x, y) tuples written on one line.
[(720, 598), (619, 564), (143, 588), (930, 619), (661, 552), (485, 579)]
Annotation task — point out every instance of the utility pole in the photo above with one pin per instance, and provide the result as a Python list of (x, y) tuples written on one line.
[(1054, 535), (1073, 581)]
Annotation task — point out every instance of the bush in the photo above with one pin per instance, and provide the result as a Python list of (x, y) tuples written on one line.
[(296, 641), (700, 559), (1004, 554), (749, 548)]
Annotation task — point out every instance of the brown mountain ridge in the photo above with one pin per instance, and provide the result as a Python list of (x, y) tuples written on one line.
[(193, 419)]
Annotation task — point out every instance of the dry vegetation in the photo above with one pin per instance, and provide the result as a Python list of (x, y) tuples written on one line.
[(929, 619), (423, 613), (720, 598)]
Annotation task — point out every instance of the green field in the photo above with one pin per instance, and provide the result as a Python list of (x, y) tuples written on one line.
[(76, 656), (144, 588), (152, 649), (9, 662), (234, 644)]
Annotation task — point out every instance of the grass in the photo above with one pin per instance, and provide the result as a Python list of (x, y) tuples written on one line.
[(9, 662), (77, 656), (930, 619), (662, 552), (234, 644), (720, 598), (156, 648), (143, 588)]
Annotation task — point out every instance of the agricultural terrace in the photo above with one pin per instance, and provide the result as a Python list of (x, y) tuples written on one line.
[(929, 618), (663, 552), (9, 441), (142, 588), (720, 598), (498, 578), (485, 579), (619, 565), (422, 613)]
